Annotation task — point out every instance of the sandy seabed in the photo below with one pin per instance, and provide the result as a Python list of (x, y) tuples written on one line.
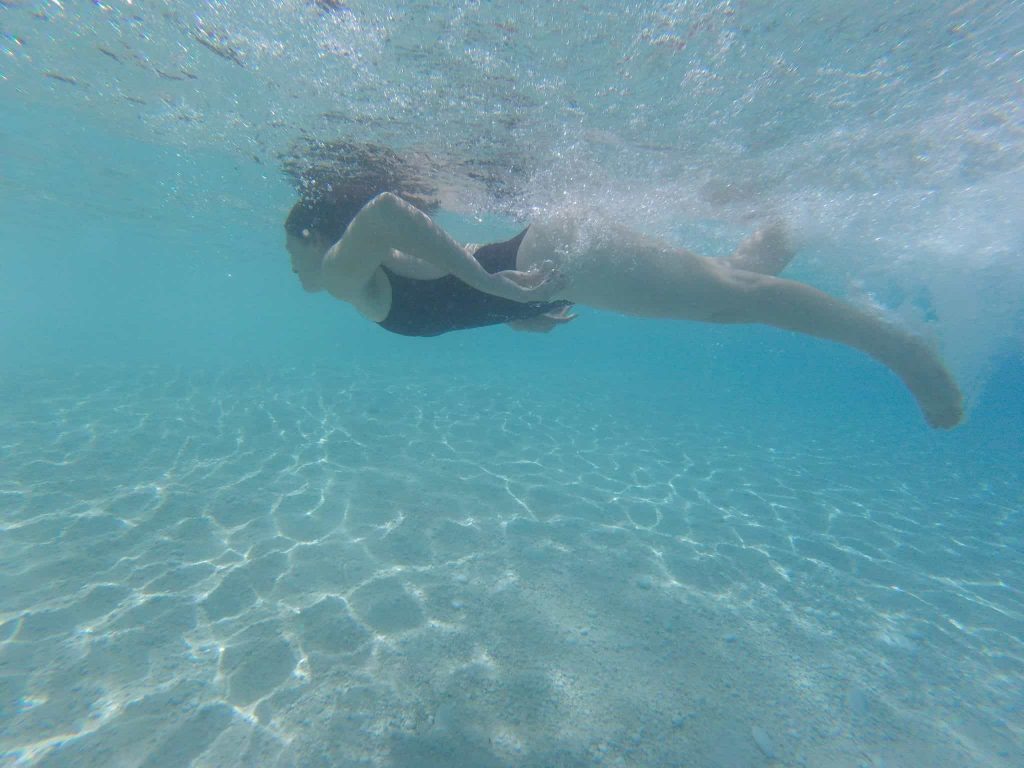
[(338, 569)]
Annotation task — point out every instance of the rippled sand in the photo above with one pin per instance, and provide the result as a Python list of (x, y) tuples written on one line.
[(335, 569)]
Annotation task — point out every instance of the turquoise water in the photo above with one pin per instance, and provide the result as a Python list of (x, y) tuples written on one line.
[(242, 526)]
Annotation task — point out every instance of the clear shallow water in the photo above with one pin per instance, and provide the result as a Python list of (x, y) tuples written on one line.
[(242, 527), (336, 568)]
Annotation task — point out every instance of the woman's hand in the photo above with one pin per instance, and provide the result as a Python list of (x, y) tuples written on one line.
[(544, 323), (541, 283)]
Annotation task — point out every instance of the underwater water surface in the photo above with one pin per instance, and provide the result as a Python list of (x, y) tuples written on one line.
[(240, 525)]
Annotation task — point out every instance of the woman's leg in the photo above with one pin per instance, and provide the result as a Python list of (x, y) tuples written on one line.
[(798, 307), (609, 267)]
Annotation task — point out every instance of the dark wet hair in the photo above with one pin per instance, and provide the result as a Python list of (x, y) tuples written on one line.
[(336, 179), (322, 216)]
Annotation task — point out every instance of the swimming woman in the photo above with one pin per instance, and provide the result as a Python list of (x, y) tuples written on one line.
[(399, 269)]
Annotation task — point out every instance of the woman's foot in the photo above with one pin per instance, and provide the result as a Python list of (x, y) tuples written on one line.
[(767, 252)]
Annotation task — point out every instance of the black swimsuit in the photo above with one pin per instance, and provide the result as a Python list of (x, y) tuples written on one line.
[(433, 307)]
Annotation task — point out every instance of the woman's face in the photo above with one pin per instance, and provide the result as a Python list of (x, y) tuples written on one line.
[(307, 259)]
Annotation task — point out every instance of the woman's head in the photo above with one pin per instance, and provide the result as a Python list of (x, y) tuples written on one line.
[(334, 182), (314, 225)]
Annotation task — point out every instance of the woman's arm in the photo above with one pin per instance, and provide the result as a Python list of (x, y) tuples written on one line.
[(389, 223)]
